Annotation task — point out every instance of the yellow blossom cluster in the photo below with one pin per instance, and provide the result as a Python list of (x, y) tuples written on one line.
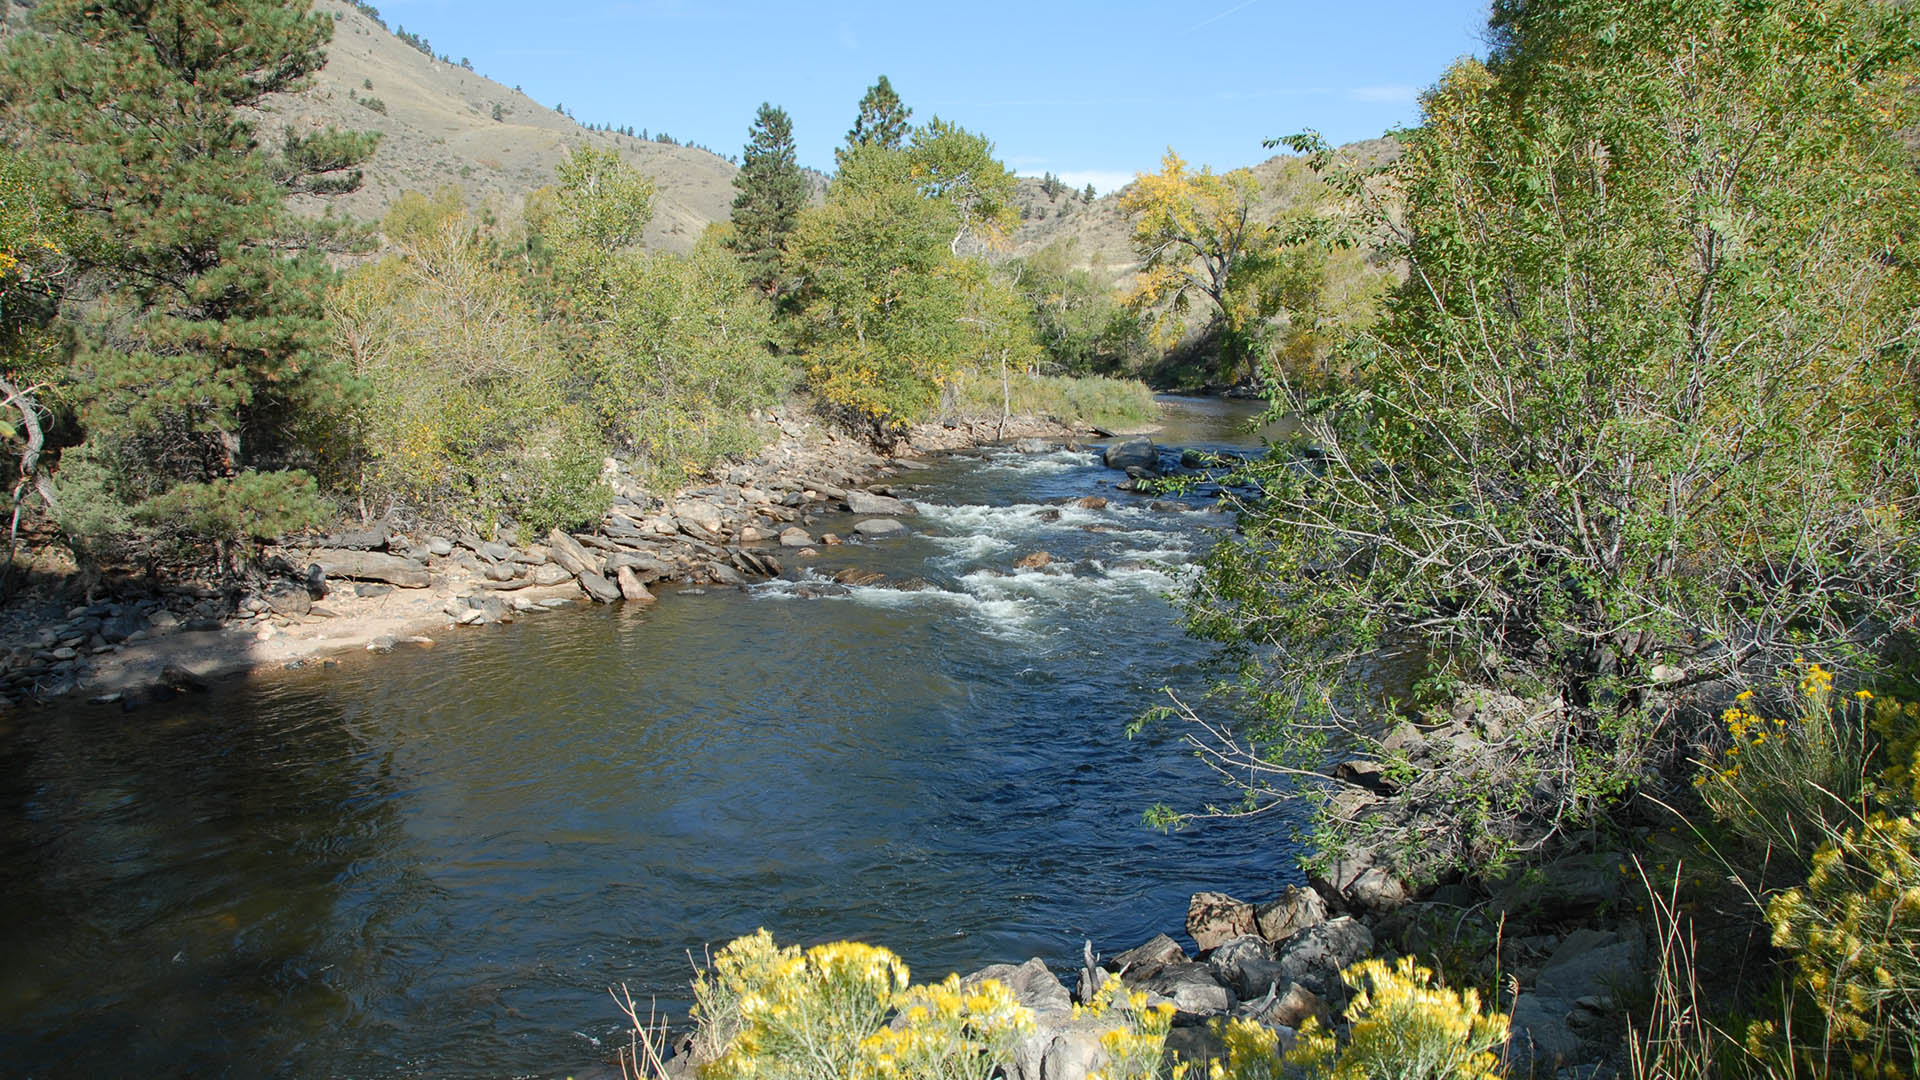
[(773, 1013), (1854, 927), (1134, 1045), (947, 1032), (1405, 1025)]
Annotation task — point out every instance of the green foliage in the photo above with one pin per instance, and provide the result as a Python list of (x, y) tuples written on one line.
[(604, 207), (1088, 400), (682, 359), (885, 312), (257, 506), (1083, 327), (775, 1013), (1642, 415), (882, 122), (195, 333), (674, 349), (465, 415), (771, 193)]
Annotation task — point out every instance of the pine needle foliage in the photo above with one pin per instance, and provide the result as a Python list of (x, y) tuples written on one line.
[(196, 304)]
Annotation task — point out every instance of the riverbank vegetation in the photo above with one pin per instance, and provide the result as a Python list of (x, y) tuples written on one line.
[(193, 367), (1633, 445)]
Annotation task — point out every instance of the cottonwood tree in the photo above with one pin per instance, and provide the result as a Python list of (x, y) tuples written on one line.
[(882, 291), (1196, 233)]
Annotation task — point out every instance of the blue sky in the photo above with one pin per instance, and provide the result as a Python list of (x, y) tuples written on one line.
[(1093, 92)]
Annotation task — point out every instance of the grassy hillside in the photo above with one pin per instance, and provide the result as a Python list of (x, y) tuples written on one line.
[(439, 129), (1102, 236)]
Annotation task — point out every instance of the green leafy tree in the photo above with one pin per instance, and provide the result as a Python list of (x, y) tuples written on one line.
[(772, 192), (1641, 419), (883, 292), (674, 350), (882, 121), (196, 300), (1198, 234), (1077, 320)]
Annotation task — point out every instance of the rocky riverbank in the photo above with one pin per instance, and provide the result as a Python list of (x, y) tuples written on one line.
[(379, 588), (1567, 970)]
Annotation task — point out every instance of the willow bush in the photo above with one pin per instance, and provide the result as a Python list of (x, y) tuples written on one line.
[(1641, 418)]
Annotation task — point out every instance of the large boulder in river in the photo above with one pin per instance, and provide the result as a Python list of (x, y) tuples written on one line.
[(1296, 910), (602, 590), (879, 527), (1139, 453), (1033, 985), (1248, 964), (1194, 989), (866, 502), (1316, 956)]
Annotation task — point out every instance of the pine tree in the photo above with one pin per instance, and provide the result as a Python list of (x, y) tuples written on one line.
[(772, 193), (196, 307), (882, 121)]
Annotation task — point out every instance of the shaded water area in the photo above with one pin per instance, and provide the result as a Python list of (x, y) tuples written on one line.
[(435, 863)]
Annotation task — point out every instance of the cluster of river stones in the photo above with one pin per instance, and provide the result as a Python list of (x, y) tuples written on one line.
[(1280, 964)]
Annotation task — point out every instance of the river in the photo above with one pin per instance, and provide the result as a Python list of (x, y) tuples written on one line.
[(436, 862)]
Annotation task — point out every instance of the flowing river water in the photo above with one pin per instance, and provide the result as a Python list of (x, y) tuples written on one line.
[(436, 863)]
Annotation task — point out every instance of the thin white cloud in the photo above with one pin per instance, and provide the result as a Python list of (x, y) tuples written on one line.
[(1394, 95), (1204, 23)]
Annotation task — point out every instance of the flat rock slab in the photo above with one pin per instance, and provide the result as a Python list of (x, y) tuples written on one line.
[(866, 502), (372, 566)]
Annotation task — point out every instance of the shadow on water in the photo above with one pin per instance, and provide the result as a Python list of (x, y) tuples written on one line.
[(435, 863)]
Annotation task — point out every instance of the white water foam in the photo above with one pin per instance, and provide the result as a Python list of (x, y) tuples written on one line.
[(1050, 464)]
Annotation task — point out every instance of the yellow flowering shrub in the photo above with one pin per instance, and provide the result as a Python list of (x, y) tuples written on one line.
[(948, 1032), (1854, 931), (1253, 1053), (1136, 1045), (1405, 1026), (1831, 792), (1782, 785), (771, 1013)]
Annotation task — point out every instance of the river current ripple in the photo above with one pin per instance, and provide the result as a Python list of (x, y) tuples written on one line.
[(436, 863)]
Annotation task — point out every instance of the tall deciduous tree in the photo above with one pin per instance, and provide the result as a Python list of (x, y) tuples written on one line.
[(882, 121), (888, 313), (772, 192), (1196, 234), (196, 356)]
